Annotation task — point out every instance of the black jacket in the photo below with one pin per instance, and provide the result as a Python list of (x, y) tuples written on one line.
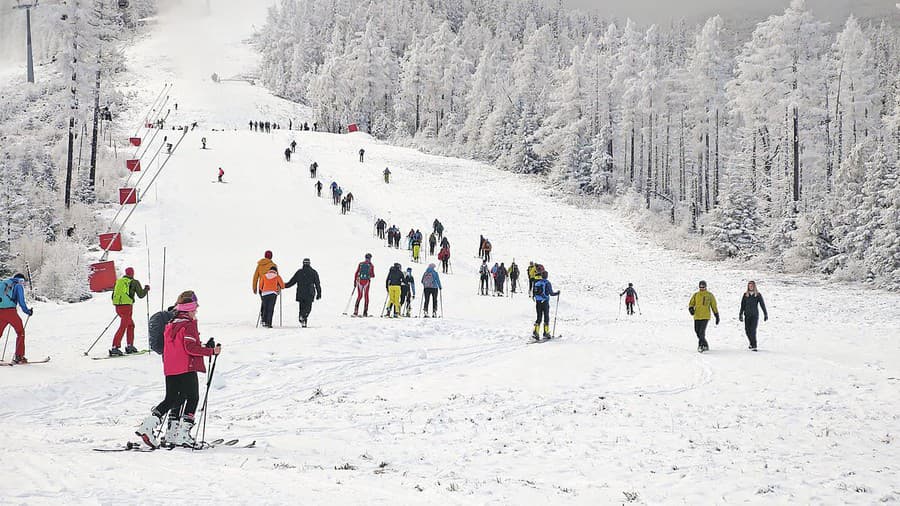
[(394, 277), (307, 281), (750, 305)]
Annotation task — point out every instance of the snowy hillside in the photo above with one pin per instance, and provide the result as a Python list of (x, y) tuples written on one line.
[(459, 410)]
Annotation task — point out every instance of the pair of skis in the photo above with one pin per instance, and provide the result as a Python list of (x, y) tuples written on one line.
[(132, 446), (44, 361), (141, 352)]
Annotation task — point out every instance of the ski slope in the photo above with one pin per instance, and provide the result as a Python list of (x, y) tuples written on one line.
[(458, 410)]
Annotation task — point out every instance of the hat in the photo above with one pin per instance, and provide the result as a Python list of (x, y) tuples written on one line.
[(629, 284), (129, 271), (431, 266), (397, 264), (268, 254), (19, 278), (274, 268), (544, 274), (368, 256), (703, 284), (305, 261), (187, 302), (409, 269)]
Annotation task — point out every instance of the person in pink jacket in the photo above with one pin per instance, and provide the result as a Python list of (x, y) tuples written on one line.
[(183, 355)]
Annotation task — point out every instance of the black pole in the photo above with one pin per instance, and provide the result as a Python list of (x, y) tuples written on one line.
[(101, 335)]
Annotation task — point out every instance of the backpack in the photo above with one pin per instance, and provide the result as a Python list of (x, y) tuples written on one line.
[(157, 328), (7, 292), (365, 272), (539, 289), (428, 280), (121, 292), (484, 270)]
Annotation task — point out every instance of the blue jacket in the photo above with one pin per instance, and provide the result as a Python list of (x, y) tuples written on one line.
[(546, 290), (11, 294), (435, 279)]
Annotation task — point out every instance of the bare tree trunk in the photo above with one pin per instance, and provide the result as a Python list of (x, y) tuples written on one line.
[(796, 157)]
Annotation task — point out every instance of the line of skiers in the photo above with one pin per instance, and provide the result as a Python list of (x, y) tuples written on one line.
[(400, 287), (263, 126), (484, 249), (338, 197), (269, 285)]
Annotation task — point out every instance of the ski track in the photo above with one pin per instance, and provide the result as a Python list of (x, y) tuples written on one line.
[(457, 410)]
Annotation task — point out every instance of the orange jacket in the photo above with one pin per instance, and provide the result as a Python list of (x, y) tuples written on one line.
[(271, 282), (262, 267)]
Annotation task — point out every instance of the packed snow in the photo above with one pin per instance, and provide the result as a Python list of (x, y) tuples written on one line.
[(458, 410)]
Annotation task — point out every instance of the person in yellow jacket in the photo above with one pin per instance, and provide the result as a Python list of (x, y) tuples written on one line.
[(702, 306), (532, 272), (127, 289), (262, 267)]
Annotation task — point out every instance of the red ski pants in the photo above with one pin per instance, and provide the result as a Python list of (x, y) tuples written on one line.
[(10, 316), (362, 288), (126, 324)]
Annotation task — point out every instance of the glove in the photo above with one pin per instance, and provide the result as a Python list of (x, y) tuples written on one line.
[(741, 318), (766, 318), (30, 312), (691, 310), (717, 318), (211, 343), (318, 297), (146, 288)]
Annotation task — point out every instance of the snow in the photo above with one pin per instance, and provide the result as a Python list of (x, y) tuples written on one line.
[(449, 411)]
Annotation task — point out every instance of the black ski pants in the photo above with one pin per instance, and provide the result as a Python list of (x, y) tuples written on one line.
[(750, 324), (405, 299), (543, 311), (513, 282), (445, 264), (484, 285), (268, 308), (305, 308), (181, 391), (700, 330), (433, 293)]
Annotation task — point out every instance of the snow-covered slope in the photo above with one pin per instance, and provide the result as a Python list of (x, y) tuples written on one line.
[(455, 410)]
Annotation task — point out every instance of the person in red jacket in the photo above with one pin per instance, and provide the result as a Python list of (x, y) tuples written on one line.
[(183, 356), (365, 271)]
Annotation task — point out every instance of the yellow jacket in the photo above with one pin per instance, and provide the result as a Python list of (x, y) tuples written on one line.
[(702, 302), (532, 271), (262, 267)]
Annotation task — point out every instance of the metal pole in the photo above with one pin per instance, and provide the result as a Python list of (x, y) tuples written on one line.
[(28, 44)]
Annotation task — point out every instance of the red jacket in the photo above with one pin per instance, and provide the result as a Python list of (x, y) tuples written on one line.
[(183, 351), (444, 254), (371, 272)]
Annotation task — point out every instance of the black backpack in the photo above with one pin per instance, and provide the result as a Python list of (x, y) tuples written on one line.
[(157, 329)]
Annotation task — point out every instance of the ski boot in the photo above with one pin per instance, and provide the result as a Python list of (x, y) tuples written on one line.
[(535, 335), (171, 430), (547, 332), (434, 314), (147, 430), (115, 352), (130, 349), (182, 436), (20, 359)]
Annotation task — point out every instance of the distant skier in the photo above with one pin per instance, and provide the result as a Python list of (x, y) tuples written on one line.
[(203, 141), (287, 154), (416, 245), (438, 228), (444, 257), (365, 271), (362, 155), (481, 246), (484, 273), (513, 276), (12, 294), (379, 228), (318, 186), (221, 175), (409, 238), (387, 175), (445, 243), (349, 201), (393, 284), (500, 280), (701, 305), (407, 292), (308, 289), (751, 302), (262, 267), (313, 167), (431, 285), (123, 297), (251, 126), (432, 242), (531, 271), (293, 146), (182, 360), (631, 297), (542, 291), (270, 288)]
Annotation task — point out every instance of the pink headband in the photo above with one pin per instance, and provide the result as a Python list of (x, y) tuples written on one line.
[(187, 307)]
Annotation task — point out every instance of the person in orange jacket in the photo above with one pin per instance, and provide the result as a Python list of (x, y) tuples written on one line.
[(270, 288), (262, 267)]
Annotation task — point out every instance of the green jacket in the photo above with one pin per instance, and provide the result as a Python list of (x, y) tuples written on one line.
[(125, 290), (702, 302)]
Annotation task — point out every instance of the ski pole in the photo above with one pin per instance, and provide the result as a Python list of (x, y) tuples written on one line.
[(3, 357), (148, 278), (101, 335), (280, 306), (209, 377), (441, 298), (639, 307), (618, 314), (556, 312), (384, 306), (347, 307)]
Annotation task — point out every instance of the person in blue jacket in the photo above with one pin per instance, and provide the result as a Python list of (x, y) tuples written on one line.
[(431, 285), (542, 292), (12, 294)]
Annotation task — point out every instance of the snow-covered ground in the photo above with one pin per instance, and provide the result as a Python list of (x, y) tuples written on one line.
[(457, 410)]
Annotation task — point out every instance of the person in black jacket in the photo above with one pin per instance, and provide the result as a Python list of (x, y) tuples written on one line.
[(750, 304), (308, 288), (393, 285)]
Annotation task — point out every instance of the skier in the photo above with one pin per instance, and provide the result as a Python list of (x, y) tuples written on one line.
[(271, 285), (387, 175), (631, 297), (308, 288), (531, 271), (438, 228), (393, 284), (444, 257), (396, 236), (365, 271), (749, 314), (203, 141), (182, 359), (339, 192), (379, 227), (362, 154), (700, 306), (349, 201), (480, 246), (416, 245), (123, 298), (432, 242), (409, 238), (12, 294), (500, 280), (344, 205), (287, 154), (485, 274), (513, 276), (293, 146), (431, 285), (407, 292), (313, 167), (318, 186), (542, 291), (251, 126), (445, 243), (487, 250), (221, 174), (262, 267)]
